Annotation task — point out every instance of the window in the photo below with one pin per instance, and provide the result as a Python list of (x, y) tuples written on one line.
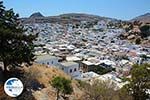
[(70, 70), (75, 70)]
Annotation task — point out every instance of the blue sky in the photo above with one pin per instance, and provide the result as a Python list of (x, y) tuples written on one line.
[(121, 9)]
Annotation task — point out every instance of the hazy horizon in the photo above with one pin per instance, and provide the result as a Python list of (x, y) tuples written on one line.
[(124, 10)]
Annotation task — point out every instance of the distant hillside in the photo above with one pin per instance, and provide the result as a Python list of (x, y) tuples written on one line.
[(143, 18), (64, 18)]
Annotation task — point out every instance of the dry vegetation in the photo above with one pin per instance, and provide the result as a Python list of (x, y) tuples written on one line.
[(43, 75), (37, 84)]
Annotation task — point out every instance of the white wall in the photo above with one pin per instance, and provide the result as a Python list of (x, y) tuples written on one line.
[(49, 62), (73, 67)]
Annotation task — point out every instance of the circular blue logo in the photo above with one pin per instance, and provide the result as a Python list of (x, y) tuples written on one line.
[(13, 87)]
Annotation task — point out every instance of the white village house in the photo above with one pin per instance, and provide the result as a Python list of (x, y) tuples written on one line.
[(71, 68), (48, 60), (101, 25)]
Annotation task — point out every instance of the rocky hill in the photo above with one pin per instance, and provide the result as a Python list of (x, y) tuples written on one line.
[(37, 84), (143, 18), (76, 17), (64, 18), (35, 15)]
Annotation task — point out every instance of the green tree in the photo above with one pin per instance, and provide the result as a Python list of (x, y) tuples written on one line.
[(15, 47), (145, 30), (139, 83), (62, 85), (138, 41)]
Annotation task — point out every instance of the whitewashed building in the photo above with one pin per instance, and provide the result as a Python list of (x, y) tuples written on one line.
[(87, 76), (48, 60), (101, 25), (71, 68)]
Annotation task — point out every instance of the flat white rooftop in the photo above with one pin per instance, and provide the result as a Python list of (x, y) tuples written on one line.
[(68, 64), (45, 57), (73, 58)]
